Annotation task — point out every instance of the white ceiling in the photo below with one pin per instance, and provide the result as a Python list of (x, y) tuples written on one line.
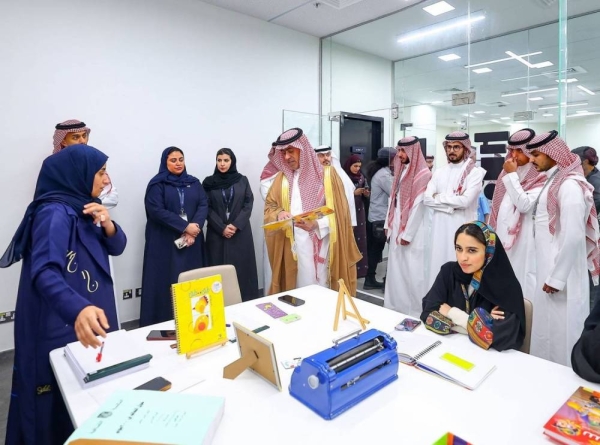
[(304, 16)]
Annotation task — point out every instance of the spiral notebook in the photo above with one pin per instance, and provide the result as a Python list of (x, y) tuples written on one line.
[(199, 313), (466, 367)]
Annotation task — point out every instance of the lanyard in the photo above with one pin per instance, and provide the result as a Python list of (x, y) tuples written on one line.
[(227, 201), (537, 201), (181, 199), (467, 298)]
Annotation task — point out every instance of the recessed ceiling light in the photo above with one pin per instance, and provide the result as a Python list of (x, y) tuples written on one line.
[(504, 118), (449, 57), (547, 115), (525, 62), (501, 60), (528, 92), (552, 107), (582, 88), (451, 24), (482, 70), (536, 98), (438, 8), (570, 80), (478, 112)]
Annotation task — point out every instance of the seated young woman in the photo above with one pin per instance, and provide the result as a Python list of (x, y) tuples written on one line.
[(478, 294)]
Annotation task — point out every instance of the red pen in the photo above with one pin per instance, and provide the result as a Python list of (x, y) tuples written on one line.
[(99, 356)]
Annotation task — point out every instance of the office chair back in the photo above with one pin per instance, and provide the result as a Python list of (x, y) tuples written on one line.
[(231, 287), (528, 320)]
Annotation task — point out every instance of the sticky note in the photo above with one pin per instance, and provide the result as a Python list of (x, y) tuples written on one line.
[(290, 318), (457, 361)]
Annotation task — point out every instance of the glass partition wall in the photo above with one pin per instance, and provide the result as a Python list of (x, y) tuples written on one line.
[(473, 65)]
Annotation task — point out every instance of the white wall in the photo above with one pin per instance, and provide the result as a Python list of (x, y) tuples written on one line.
[(143, 75), (356, 82)]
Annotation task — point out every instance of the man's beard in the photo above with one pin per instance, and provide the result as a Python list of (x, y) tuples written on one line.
[(457, 160)]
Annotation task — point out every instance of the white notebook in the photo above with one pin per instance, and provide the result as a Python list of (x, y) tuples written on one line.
[(121, 355), (463, 367)]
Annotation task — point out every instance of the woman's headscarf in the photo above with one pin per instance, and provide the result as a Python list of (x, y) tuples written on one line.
[(225, 180), (349, 162), (66, 177), (164, 175), (496, 280)]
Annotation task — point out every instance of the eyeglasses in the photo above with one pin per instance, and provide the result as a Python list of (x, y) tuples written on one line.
[(453, 147)]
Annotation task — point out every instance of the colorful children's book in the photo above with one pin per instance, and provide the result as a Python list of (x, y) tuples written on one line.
[(199, 313), (311, 215), (578, 420), (451, 439), (152, 417)]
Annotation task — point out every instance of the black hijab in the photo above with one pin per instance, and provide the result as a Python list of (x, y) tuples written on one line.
[(164, 175), (225, 180), (496, 281), (66, 177)]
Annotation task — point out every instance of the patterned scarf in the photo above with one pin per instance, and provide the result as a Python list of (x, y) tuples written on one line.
[(64, 128), (569, 166), (411, 185), (490, 249), (531, 179), (463, 138), (310, 180)]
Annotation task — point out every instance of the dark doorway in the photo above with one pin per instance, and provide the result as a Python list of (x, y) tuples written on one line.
[(360, 134)]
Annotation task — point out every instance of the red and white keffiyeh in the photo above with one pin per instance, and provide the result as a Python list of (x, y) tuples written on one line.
[(531, 179), (310, 180), (569, 167), (412, 184), (463, 138), (73, 126)]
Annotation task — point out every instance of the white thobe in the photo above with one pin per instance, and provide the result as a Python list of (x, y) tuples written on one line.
[(407, 266), (517, 202), (307, 274), (265, 186), (562, 264), (450, 211)]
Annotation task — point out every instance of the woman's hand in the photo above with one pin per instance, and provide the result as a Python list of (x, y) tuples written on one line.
[(192, 229), (100, 215), (366, 192), (359, 191), (497, 314), (189, 239), (90, 322), (444, 309)]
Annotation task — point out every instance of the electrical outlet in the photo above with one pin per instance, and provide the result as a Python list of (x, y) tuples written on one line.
[(6, 317), (138, 292), (127, 294)]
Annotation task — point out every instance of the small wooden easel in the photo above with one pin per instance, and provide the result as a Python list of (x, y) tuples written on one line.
[(341, 304)]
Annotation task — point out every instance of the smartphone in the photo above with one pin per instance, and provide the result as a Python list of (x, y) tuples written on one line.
[(291, 300), (161, 335), (408, 324), (157, 384)]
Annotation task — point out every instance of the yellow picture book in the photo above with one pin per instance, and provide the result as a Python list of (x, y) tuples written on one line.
[(311, 215), (199, 313)]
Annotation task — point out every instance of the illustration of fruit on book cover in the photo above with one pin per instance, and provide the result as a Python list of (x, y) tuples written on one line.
[(199, 313), (578, 420)]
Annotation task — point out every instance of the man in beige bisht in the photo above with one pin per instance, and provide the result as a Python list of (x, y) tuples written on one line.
[(311, 252)]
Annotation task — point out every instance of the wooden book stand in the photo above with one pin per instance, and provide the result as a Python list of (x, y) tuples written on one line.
[(341, 304)]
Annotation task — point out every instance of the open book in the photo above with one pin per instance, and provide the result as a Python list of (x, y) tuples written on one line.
[(435, 357), (311, 215), (120, 355)]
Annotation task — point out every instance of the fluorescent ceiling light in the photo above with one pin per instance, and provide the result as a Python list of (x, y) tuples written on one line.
[(449, 57), (547, 115), (437, 102), (438, 8), (525, 62), (583, 114), (478, 112), (536, 98), (571, 80), (495, 121), (529, 92), (501, 60), (582, 88), (582, 111), (482, 70), (504, 118), (552, 107), (438, 29)]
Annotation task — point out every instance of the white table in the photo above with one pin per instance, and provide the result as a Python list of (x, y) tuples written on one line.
[(510, 407)]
